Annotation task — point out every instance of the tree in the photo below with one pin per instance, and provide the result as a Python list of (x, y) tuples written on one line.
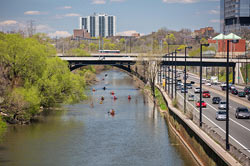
[(33, 77), (78, 52), (151, 67)]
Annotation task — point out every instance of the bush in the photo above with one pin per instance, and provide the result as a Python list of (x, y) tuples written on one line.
[(175, 102)]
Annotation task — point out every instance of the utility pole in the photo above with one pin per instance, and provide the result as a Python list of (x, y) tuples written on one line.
[(130, 43)]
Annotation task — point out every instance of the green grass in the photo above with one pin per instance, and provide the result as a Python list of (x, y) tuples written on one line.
[(243, 71), (222, 78), (2, 127), (160, 99)]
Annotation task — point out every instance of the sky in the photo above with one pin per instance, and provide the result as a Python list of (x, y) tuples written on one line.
[(60, 17)]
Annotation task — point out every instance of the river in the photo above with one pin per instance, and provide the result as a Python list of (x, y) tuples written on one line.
[(80, 134)]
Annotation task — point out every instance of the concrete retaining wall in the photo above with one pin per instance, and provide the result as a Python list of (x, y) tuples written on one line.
[(212, 149)]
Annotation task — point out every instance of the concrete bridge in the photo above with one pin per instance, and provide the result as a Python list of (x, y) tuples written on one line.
[(125, 60)]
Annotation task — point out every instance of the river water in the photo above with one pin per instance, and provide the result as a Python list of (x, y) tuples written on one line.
[(85, 134)]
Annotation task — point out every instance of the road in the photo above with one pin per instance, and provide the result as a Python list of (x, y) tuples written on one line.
[(193, 77), (239, 129)]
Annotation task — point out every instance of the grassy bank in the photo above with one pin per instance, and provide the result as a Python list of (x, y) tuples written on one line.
[(222, 78), (2, 127), (243, 71), (159, 98)]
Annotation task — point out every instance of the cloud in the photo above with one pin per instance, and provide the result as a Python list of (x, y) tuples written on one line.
[(8, 23), (43, 28), (180, 1), (214, 21), (117, 0), (214, 11), (67, 7), (98, 2), (32, 13), (126, 33), (59, 34), (72, 15)]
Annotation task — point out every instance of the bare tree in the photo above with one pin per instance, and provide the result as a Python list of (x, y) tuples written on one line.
[(31, 28), (150, 66)]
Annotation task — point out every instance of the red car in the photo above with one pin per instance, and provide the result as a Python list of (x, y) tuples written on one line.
[(206, 94), (203, 104)]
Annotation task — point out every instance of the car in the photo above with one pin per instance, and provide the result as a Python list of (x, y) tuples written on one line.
[(223, 88), (242, 112), (221, 115), (189, 86), (216, 100), (191, 97), (248, 97), (232, 87), (247, 90), (234, 91), (197, 90), (222, 105), (223, 84), (241, 94), (192, 82), (206, 94), (203, 81), (208, 84), (203, 104), (178, 87), (183, 91), (179, 81)]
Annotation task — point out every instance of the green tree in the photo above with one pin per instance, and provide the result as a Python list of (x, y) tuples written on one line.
[(78, 52)]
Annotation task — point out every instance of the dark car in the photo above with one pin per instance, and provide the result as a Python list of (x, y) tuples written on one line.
[(241, 94), (192, 82), (234, 91), (223, 88), (248, 97), (183, 90), (242, 112), (247, 90), (216, 100), (189, 86)]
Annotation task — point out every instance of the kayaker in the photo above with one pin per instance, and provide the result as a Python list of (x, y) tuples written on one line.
[(129, 97)]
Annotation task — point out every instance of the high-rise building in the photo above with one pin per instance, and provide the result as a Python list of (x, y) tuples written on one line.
[(99, 25), (234, 15)]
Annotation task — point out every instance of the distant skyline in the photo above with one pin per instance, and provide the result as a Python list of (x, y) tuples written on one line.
[(60, 17)]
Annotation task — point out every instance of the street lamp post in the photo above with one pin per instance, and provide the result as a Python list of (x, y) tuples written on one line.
[(168, 66), (185, 76), (227, 94), (165, 74), (172, 77), (206, 45), (175, 77)]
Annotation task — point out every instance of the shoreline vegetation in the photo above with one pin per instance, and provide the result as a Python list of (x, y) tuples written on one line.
[(32, 78)]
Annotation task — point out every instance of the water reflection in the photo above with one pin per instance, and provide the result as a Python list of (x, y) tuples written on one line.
[(87, 135)]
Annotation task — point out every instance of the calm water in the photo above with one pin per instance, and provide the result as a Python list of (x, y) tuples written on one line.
[(82, 135)]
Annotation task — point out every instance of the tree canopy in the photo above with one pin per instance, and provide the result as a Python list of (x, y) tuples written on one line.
[(34, 77)]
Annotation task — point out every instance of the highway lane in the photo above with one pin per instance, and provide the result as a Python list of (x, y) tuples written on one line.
[(232, 108), (239, 129), (217, 87), (239, 136)]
